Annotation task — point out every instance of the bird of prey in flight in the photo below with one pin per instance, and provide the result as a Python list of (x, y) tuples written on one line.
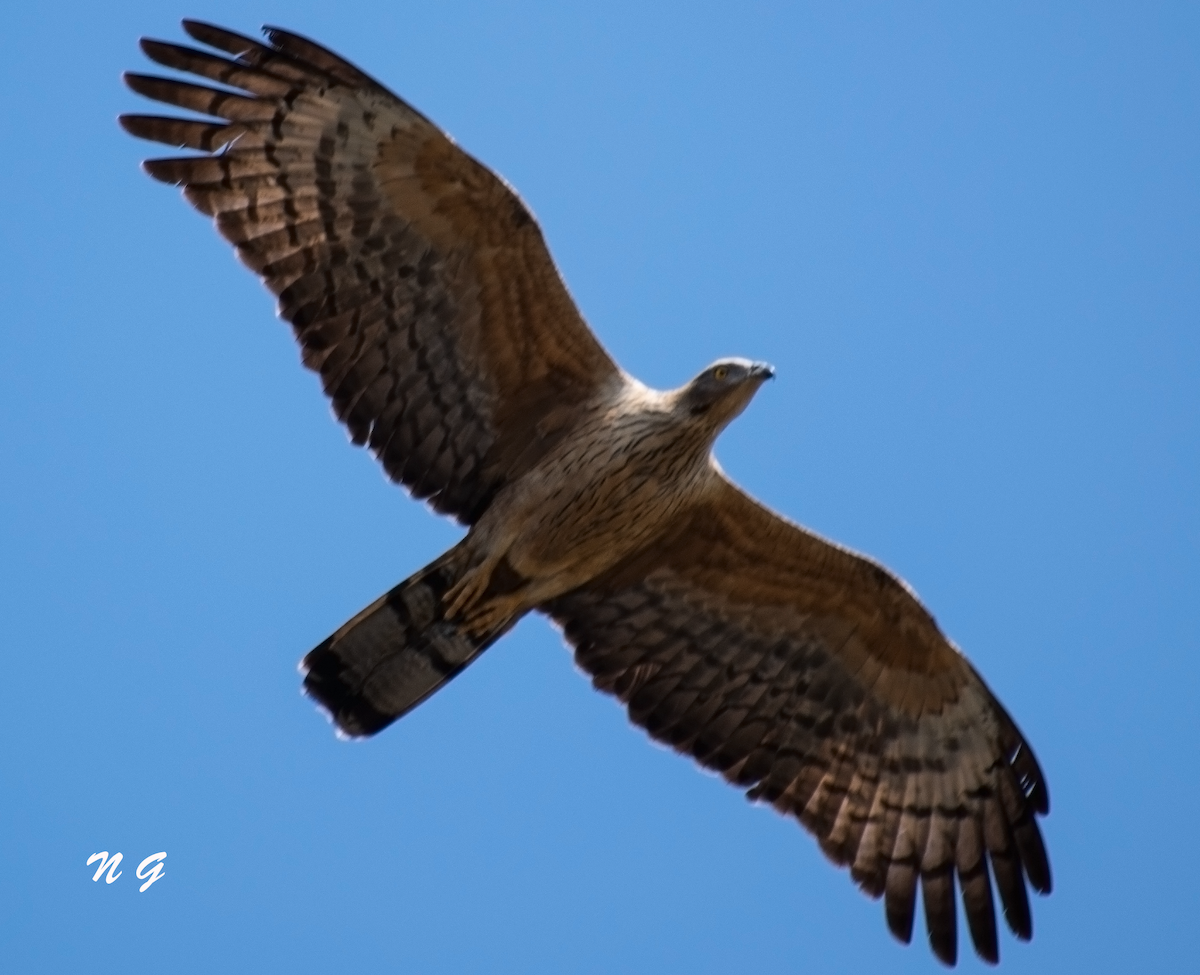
[(421, 290)]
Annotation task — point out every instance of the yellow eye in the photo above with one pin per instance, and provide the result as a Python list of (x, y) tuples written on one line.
[(720, 372)]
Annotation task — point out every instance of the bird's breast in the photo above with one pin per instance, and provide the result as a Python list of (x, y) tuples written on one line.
[(604, 494)]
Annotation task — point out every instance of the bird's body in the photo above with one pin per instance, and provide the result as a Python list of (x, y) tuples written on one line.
[(614, 480), (421, 290)]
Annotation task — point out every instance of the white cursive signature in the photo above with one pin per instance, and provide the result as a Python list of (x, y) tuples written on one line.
[(149, 870)]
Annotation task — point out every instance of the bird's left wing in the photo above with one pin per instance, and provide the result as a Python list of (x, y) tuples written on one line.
[(418, 284), (814, 678)]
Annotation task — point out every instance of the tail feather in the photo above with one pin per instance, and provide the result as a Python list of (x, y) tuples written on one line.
[(394, 654)]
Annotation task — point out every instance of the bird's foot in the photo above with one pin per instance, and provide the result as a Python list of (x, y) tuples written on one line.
[(465, 593), (488, 617)]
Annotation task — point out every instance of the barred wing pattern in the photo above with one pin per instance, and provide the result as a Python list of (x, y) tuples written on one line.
[(418, 284), (815, 679)]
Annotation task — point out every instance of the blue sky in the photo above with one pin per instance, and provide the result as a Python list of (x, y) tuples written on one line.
[(968, 239)]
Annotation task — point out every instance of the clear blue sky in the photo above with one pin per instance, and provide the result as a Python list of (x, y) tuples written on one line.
[(968, 238)]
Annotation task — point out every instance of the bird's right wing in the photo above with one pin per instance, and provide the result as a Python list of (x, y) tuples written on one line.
[(815, 679), (418, 284)]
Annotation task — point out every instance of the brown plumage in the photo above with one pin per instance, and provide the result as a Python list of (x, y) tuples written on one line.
[(421, 290)]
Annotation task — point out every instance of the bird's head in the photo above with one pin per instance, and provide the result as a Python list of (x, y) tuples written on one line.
[(723, 390)]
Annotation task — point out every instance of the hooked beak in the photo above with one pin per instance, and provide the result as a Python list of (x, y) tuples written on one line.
[(762, 370)]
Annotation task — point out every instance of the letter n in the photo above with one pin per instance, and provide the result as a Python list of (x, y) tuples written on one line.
[(105, 863)]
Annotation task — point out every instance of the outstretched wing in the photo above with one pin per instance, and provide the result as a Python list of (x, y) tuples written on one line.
[(814, 678), (418, 284)]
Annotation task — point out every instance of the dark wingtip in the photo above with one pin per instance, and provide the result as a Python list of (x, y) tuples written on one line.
[(946, 951), (199, 29), (142, 84), (900, 923), (163, 170), (231, 42), (1017, 914), (1040, 797)]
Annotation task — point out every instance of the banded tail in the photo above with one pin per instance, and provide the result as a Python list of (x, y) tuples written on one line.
[(394, 654)]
